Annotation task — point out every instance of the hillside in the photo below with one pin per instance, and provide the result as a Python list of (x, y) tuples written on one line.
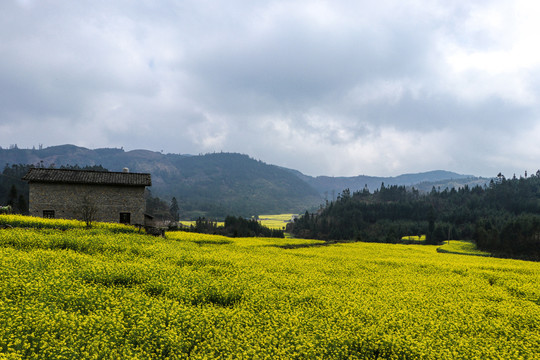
[(328, 186), (212, 185), (503, 218), (237, 184), (221, 184), (73, 293)]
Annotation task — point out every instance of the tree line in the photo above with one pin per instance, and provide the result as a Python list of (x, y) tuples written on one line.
[(234, 227), (503, 217), (14, 191)]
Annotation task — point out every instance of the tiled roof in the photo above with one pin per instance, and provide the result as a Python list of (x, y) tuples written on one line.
[(63, 176)]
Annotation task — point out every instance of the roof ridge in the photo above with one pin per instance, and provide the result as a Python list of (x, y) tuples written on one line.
[(74, 176), (85, 170)]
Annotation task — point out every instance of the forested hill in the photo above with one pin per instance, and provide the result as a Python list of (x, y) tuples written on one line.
[(212, 185), (329, 187), (503, 217), (225, 183), (220, 184), (110, 158)]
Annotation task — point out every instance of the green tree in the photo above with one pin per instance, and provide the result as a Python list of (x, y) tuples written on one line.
[(174, 209), (12, 198), (22, 205)]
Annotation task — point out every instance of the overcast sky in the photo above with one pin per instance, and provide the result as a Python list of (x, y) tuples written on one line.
[(338, 88)]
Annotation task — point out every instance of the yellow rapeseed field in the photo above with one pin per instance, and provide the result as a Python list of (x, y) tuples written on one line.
[(275, 221), (62, 224), (418, 238), (189, 223), (75, 293)]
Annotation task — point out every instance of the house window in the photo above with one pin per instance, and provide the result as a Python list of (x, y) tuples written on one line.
[(125, 218), (49, 214)]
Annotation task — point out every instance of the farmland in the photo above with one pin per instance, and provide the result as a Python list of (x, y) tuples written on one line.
[(67, 292), (275, 221), (189, 223)]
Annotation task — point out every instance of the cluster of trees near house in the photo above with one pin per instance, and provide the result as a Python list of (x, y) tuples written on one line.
[(234, 227), (14, 191), (502, 218)]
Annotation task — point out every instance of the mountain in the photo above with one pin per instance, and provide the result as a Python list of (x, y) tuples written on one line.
[(455, 183), (236, 184), (219, 184), (110, 158), (211, 185), (329, 186)]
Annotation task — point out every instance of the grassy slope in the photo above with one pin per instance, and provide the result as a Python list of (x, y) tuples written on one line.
[(96, 294)]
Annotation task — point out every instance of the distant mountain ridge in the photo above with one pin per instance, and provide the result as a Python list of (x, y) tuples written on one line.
[(223, 183), (328, 185)]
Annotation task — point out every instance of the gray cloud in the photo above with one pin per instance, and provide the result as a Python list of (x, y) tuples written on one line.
[(334, 88)]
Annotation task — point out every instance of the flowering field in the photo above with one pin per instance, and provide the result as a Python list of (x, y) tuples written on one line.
[(415, 238), (98, 294), (275, 221), (62, 224), (193, 222)]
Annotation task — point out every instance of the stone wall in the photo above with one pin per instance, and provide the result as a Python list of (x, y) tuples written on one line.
[(109, 201)]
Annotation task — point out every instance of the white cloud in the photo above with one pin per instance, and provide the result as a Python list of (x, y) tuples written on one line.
[(501, 59)]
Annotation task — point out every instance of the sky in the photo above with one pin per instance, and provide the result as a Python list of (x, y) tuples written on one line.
[(337, 88)]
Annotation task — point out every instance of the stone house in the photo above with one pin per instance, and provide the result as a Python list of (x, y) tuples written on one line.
[(77, 194)]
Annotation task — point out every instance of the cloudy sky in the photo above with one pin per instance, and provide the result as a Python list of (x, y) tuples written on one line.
[(326, 87)]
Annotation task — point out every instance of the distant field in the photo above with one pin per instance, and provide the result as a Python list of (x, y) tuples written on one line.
[(190, 222), (71, 293), (413, 238), (275, 221), (270, 221)]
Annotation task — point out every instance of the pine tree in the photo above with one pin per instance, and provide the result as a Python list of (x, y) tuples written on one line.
[(174, 209), (12, 198)]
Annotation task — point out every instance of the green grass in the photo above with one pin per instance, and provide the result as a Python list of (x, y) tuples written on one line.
[(97, 294)]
